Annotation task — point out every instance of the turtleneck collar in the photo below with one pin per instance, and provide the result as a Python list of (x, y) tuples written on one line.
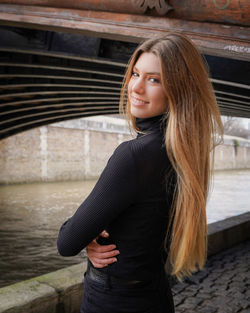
[(147, 125)]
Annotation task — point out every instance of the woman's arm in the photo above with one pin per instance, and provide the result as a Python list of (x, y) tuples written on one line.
[(101, 255), (114, 192)]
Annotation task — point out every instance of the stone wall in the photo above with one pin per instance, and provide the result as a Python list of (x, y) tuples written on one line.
[(60, 152), (56, 292), (20, 157), (233, 154), (79, 150)]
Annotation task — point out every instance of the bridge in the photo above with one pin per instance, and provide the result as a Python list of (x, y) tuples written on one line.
[(63, 60)]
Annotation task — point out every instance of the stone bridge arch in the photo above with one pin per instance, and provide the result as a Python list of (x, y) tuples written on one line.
[(61, 60)]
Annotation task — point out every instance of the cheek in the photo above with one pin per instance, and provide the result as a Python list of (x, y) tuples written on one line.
[(157, 95), (160, 102), (129, 86)]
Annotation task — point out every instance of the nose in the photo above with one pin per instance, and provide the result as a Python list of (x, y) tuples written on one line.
[(138, 85)]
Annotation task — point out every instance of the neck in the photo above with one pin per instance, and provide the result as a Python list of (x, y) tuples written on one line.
[(146, 125)]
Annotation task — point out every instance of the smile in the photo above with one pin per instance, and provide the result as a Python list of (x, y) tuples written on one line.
[(137, 101)]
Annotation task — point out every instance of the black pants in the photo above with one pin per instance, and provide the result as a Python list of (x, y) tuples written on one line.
[(148, 297)]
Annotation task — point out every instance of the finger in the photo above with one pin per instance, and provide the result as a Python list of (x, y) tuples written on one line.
[(99, 248), (104, 234), (105, 255), (93, 245), (97, 265), (103, 261)]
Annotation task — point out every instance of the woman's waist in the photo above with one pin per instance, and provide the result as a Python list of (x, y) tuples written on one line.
[(135, 268), (126, 276)]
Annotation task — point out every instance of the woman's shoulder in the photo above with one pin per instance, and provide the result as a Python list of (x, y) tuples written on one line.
[(152, 143), (143, 156), (138, 144), (142, 151), (144, 146)]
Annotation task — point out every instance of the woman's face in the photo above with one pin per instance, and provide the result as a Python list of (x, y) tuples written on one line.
[(145, 90)]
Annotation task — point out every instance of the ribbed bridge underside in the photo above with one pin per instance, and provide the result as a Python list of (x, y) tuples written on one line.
[(41, 86)]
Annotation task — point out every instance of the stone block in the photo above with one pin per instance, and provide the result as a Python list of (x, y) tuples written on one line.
[(59, 291), (28, 296), (68, 282), (178, 300), (186, 306), (208, 309), (226, 233)]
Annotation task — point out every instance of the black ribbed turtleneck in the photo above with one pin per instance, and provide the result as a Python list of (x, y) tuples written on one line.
[(146, 125), (130, 201)]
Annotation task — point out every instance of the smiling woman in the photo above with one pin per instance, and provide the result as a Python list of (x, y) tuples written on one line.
[(145, 91), (151, 197)]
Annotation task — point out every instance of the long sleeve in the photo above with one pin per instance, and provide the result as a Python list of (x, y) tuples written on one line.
[(114, 192)]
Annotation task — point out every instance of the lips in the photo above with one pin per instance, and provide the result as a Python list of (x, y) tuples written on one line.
[(137, 101)]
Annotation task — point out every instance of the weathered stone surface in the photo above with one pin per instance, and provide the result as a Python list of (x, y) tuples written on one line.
[(208, 309), (46, 294), (224, 288), (63, 279), (227, 233), (68, 283), (28, 296)]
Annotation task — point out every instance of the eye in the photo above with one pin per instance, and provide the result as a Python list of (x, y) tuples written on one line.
[(135, 74), (154, 80)]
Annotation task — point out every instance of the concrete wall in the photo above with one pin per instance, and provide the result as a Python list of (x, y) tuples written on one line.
[(61, 291), (79, 149)]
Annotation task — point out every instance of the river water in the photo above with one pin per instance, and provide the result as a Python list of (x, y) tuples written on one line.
[(31, 214)]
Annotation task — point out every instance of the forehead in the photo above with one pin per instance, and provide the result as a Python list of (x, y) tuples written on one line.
[(148, 62)]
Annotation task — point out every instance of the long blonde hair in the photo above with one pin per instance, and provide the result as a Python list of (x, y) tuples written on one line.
[(192, 131)]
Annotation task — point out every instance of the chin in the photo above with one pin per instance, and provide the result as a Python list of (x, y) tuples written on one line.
[(138, 114)]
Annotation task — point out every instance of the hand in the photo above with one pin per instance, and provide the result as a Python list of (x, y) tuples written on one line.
[(101, 255)]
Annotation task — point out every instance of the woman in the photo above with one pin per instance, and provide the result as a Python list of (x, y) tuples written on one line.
[(151, 196)]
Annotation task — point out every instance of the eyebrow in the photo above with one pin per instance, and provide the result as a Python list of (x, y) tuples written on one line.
[(150, 73)]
